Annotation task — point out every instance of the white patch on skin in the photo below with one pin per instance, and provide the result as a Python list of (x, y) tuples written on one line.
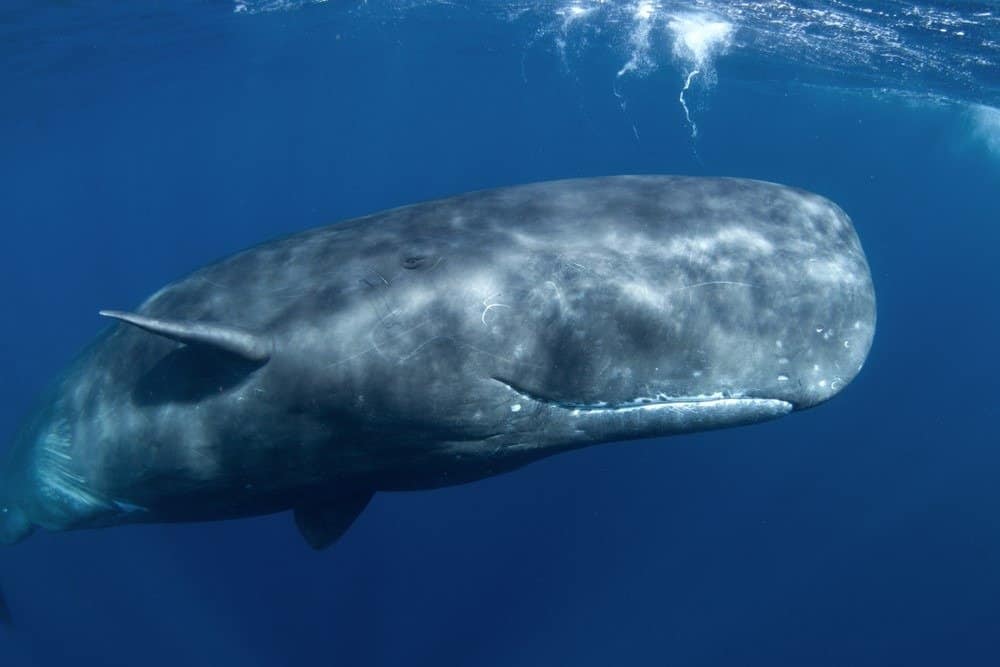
[(745, 238), (641, 293), (516, 407), (811, 207), (710, 250), (832, 270)]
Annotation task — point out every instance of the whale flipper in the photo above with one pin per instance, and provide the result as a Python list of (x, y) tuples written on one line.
[(231, 340), (322, 525)]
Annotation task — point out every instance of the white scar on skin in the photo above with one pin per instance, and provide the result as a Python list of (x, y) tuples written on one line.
[(491, 306)]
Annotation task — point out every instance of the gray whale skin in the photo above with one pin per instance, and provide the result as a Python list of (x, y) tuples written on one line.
[(445, 342)]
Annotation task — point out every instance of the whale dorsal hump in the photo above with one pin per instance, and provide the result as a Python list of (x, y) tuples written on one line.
[(322, 525), (231, 340)]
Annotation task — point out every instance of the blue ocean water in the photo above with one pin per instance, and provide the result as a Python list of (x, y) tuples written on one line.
[(142, 140)]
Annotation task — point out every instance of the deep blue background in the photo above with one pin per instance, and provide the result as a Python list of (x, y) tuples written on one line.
[(864, 532)]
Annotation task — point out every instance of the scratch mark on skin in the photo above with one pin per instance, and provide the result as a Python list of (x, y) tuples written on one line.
[(385, 320), (213, 283), (551, 284), (376, 348), (288, 291), (490, 306), (709, 283), (385, 282), (383, 310), (567, 263), (351, 357), (427, 342)]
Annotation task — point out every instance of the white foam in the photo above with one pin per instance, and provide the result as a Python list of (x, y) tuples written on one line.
[(643, 17), (645, 10), (264, 6), (574, 12), (698, 40), (846, 35), (886, 46)]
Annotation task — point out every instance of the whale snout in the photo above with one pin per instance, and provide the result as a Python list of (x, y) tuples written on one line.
[(826, 366), (823, 341)]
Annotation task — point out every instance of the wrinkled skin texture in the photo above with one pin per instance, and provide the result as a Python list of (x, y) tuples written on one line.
[(452, 340)]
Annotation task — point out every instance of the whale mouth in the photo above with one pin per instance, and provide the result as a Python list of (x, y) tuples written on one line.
[(693, 403)]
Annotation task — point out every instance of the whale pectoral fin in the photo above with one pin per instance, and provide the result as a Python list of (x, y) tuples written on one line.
[(322, 525), (231, 340)]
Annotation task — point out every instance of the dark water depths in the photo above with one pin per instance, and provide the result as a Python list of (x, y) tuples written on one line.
[(138, 145)]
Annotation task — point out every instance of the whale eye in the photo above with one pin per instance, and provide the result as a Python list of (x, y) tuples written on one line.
[(414, 261)]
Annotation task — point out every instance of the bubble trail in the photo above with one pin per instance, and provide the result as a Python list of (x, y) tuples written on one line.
[(698, 40), (687, 113)]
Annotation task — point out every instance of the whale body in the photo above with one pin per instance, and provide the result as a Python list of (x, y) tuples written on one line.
[(445, 342)]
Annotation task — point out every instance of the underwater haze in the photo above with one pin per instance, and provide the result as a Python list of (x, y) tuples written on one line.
[(143, 140)]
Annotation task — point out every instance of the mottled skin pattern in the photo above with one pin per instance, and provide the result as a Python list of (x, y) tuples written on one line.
[(452, 340)]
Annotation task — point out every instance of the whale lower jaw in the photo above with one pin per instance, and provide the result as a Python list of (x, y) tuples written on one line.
[(668, 416), (769, 406), (715, 401), (575, 424)]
